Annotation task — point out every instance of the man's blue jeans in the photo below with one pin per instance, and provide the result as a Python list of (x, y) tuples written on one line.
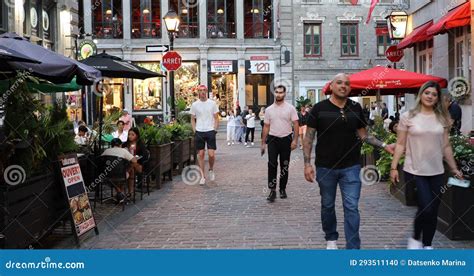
[(350, 185)]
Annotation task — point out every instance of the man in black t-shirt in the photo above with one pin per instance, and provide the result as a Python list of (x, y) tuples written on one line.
[(340, 125)]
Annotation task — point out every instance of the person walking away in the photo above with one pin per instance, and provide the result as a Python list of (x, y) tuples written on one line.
[(423, 135), (302, 119), (340, 126), (455, 112), (230, 128), (205, 122), (278, 134), (250, 128)]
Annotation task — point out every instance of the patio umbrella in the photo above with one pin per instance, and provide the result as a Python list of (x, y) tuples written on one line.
[(387, 81), (115, 67), (7, 54), (54, 67), (43, 86)]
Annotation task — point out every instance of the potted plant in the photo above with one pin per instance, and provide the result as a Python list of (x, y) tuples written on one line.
[(456, 215), (158, 141), (181, 137), (31, 196)]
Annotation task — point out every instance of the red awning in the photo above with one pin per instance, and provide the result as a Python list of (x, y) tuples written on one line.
[(417, 35), (388, 81), (457, 17)]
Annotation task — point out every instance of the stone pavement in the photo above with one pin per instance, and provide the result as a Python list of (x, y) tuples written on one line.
[(233, 213)]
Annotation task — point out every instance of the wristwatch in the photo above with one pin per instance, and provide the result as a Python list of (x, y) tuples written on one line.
[(384, 145)]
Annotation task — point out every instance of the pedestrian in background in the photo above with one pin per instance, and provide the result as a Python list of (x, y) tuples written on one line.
[(423, 135), (340, 126), (230, 128), (302, 119), (280, 117), (250, 128), (455, 112)]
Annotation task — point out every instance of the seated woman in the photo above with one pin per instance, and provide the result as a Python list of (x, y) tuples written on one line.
[(82, 137), (120, 132), (117, 151), (136, 147)]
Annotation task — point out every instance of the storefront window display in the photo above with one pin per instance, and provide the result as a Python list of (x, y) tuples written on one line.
[(224, 92), (148, 93), (74, 105), (113, 99), (185, 82)]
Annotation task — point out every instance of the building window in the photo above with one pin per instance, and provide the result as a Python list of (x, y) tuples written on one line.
[(425, 57), (189, 26), (186, 80), (258, 19), (148, 93), (146, 19), (383, 39), (48, 13), (3, 17), (312, 40), (107, 19), (221, 19), (349, 39)]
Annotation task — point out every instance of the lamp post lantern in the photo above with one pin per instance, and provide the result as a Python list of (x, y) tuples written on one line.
[(397, 24), (172, 24)]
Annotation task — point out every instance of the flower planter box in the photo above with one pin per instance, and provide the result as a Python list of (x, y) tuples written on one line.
[(161, 162), (367, 160), (30, 210), (181, 154), (456, 212), (403, 190)]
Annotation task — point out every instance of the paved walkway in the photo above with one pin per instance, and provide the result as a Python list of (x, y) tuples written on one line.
[(233, 213)]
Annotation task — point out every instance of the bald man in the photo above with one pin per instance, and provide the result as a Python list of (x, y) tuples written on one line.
[(340, 125)]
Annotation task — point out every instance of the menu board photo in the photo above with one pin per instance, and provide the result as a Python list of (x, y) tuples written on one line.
[(79, 204)]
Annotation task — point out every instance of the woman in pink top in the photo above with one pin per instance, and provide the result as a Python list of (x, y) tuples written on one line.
[(422, 135)]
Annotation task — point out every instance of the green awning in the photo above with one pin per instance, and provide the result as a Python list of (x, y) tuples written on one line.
[(42, 86)]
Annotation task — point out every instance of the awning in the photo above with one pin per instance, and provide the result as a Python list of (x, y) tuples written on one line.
[(417, 35), (457, 17)]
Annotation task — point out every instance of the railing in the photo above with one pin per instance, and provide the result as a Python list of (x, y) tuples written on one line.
[(221, 30), (108, 30), (146, 30), (258, 30), (190, 30)]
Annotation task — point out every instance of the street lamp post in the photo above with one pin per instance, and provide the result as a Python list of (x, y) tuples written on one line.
[(172, 23)]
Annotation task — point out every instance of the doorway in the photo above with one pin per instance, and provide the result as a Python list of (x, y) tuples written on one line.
[(224, 91), (257, 91)]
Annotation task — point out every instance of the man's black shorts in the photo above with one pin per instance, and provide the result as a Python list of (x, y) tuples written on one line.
[(203, 138)]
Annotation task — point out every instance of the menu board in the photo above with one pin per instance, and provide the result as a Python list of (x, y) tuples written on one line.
[(76, 192)]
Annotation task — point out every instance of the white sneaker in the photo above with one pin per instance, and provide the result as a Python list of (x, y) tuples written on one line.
[(253, 144), (248, 146), (228, 143), (428, 247), (202, 181), (331, 245), (245, 144), (212, 175), (414, 244), (233, 143)]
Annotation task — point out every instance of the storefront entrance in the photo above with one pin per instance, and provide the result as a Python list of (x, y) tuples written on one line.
[(224, 91), (257, 91)]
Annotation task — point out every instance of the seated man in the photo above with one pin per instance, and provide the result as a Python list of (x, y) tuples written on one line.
[(121, 133), (82, 137), (117, 151)]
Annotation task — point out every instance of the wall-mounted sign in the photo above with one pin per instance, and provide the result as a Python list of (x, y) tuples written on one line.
[(223, 66), (259, 58), (262, 66), (87, 48), (33, 17)]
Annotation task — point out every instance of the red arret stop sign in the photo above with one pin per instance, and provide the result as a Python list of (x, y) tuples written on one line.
[(393, 54), (172, 61)]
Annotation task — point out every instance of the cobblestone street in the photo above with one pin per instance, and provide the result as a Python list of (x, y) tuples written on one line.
[(233, 212)]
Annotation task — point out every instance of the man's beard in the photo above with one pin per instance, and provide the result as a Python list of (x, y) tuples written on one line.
[(280, 100)]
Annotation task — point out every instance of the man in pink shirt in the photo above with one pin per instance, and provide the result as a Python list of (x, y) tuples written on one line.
[(280, 119)]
